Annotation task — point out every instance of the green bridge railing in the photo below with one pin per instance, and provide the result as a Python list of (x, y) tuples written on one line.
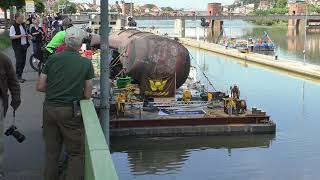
[(98, 161)]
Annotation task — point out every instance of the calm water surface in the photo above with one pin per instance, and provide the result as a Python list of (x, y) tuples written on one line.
[(290, 45), (293, 153)]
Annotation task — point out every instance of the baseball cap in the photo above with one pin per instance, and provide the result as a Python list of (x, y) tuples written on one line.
[(74, 37)]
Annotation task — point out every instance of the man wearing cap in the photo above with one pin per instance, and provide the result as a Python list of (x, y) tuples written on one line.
[(66, 79)]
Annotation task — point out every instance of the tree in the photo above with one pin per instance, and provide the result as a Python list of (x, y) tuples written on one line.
[(281, 3), (39, 6), (4, 5), (167, 9), (66, 6), (71, 8)]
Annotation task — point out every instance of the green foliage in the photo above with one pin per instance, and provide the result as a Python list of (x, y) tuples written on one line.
[(281, 4), (70, 7), (257, 2), (4, 41), (149, 6), (167, 9), (18, 3), (313, 8), (92, 10), (5, 4), (39, 6), (274, 10)]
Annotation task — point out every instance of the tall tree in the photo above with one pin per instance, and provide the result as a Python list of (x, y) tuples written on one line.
[(71, 8), (4, 5), (68, 7), (281, 3), (39, 6)]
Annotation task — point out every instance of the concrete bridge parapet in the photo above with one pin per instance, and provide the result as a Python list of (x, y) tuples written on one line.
[(180, 28)]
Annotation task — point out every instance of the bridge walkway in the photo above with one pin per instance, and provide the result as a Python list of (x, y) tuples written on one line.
[(26, 160)]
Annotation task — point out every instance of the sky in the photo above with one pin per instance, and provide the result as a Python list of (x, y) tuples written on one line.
[(186, 4)]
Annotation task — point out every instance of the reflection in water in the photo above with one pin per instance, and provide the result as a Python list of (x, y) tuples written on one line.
[(168, 155)]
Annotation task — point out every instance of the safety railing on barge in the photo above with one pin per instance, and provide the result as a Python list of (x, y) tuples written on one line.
[(98, 161)]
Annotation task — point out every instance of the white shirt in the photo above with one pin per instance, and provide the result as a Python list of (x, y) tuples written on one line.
[(23, 32)]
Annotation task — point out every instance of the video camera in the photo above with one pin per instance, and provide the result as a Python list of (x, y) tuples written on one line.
[(13, 131)]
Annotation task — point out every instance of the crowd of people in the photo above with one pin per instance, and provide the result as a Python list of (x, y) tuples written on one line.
[(65, 79)]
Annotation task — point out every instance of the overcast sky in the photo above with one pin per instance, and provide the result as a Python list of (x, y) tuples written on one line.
[(187, 4)]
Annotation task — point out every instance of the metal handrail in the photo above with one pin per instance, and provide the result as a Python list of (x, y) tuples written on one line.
[(98, 162)]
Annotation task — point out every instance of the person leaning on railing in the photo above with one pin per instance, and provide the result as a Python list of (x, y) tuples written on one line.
[(8, 81), (66, 79)]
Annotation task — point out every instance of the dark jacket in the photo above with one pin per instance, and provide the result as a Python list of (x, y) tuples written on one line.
[(8, 81), (16, 43)]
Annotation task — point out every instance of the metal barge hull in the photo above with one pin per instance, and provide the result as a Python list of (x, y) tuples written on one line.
[(219, 124)]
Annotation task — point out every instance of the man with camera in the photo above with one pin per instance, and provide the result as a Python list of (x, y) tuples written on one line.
[(8, 81), (66, 79)]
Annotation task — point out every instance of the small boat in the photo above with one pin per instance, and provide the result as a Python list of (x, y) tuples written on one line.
[(265, 43), (242, 46)]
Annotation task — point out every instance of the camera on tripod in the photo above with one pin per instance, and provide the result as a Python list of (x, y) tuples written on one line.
[(13, 131)]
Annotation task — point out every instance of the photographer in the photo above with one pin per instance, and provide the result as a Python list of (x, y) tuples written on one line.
[(8, 81)]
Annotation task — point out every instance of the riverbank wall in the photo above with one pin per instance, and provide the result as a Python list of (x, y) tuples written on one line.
[(299, 69)]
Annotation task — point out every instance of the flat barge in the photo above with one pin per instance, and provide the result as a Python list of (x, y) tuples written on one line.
[(212, 122), (153, 93)]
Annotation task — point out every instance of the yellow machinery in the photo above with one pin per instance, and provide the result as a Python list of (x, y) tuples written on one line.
[(120, 100), (125, 96), (210, 96), (232, 105), (229, 105), (186, 96)]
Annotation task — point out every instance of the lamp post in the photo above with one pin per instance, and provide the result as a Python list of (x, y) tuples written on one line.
[(131, 9), (305, 36), (105, 71), (230, 22)]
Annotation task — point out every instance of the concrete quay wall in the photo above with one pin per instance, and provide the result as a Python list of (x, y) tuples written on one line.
[(306, 71)]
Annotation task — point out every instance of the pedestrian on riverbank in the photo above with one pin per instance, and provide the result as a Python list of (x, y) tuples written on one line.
[(66, 79), (8, 81), (19, 38), (37, 38)]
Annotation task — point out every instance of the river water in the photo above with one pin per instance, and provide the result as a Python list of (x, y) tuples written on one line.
[(293, 153), (289, 44)]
